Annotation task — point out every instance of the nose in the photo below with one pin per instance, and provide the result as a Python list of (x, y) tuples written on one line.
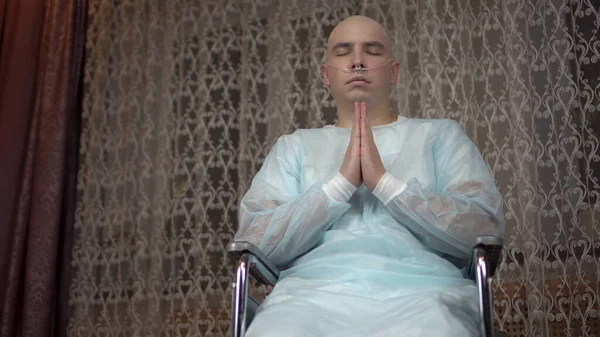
[(357, 62), (358, 65)]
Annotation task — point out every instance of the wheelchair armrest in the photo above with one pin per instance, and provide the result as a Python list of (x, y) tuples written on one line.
[(492, 247), (261, 268)]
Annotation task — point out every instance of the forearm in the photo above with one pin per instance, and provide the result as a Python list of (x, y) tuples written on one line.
[(449, 222), (287, 230)]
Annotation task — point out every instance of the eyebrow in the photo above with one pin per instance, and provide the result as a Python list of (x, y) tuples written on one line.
[(366, 44)]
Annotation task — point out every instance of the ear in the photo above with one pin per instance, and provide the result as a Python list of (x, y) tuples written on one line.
[(325, 72), (395, 71)]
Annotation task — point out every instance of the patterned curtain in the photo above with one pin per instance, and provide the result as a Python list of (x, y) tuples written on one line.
[(184, 98)]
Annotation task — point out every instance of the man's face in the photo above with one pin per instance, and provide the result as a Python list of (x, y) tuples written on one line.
[(359, 42)]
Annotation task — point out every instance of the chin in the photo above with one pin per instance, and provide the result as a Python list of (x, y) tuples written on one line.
[(358, 97)]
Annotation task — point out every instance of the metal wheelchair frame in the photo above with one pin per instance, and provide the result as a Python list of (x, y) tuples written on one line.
[(252, 262)]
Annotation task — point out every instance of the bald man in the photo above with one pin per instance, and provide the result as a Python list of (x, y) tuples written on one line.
[(371, 219)]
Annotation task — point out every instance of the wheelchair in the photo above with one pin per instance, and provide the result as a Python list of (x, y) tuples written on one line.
[(251, 261)]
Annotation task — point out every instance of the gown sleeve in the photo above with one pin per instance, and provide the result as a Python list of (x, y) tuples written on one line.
[(464, 204), (276, 215)]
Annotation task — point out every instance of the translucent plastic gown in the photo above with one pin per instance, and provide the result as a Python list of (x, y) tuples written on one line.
[(365, 268)]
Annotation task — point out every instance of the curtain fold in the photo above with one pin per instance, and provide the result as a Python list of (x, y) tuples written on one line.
[(41, 58)]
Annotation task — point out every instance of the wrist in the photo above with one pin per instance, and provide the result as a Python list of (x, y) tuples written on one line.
[(388, 188), (376, 179), (339, 189)]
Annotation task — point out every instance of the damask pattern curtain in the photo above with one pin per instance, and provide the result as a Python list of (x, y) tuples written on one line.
[(183, 100)]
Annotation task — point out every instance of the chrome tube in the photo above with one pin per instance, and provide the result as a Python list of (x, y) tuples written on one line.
[(239, 293), (485, 292)]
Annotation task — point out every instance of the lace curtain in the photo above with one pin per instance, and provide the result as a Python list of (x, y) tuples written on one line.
[(184, 98)]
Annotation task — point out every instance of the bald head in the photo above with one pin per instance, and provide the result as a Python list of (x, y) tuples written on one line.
[(362, 28), (359, 42)]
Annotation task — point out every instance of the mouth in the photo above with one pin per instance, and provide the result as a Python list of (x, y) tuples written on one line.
[(358, 79)]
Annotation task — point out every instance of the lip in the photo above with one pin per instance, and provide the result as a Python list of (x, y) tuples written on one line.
[(356, 79)]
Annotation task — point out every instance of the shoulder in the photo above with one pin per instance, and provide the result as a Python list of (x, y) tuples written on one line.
[(301, 137), (307, 133), (292, 148), (435, 123), (292, 139), (428, 127), (440, 127), (296, 141)]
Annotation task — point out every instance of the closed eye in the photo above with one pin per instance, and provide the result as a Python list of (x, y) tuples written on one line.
[(374, 50)]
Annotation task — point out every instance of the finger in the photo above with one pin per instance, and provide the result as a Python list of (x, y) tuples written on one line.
[(355, 131), (356, 123), (363, 119), (356, 112), (368, 136)]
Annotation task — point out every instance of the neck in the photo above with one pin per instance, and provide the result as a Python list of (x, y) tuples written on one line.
[(378, 115)]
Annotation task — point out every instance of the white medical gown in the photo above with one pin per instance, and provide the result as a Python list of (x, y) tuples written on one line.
[(362, 267)]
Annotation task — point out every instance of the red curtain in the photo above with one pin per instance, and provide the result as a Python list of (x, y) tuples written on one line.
[(41, 59)]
